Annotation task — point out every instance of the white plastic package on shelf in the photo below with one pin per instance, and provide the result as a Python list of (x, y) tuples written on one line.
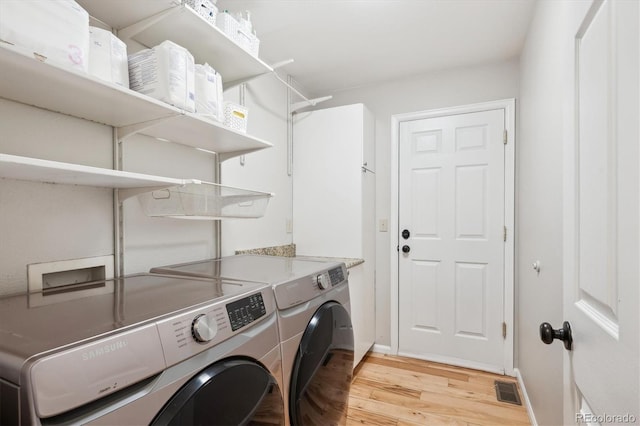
[(208, 91), (56, 30), (108, 57), (165, 72), (204, 200)]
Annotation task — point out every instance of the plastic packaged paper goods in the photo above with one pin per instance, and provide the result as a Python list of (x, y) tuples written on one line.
[(55, 29), (164, 72), (209, 92), (108, 57)]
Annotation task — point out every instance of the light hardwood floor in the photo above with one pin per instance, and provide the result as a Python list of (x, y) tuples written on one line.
[(391, 390)]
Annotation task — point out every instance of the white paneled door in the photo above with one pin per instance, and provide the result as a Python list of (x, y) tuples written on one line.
[(601, 204), (452, 239)]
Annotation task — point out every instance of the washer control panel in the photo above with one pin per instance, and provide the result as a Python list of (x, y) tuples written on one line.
[(204, 328), (322, 282), (187, 334), (245, 311)]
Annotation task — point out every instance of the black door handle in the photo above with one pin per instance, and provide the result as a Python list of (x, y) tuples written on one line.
[(406, 249), (548, 334), (406, 234)]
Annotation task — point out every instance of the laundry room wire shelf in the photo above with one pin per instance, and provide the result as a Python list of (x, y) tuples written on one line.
[(204, 201)]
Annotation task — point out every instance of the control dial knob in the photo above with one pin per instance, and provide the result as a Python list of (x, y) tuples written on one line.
[(203, 328), (322, 282)]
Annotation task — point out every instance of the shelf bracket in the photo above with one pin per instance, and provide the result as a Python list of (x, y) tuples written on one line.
[(308, 102), (125, 131), (273, 67), (132, 30), (224, 156)]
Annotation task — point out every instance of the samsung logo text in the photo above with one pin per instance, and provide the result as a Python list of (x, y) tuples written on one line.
[(104, 350)]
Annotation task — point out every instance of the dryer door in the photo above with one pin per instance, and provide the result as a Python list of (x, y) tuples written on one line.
[(322, 371), (229, 392)]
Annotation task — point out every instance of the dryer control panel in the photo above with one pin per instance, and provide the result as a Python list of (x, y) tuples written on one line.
[(295, 292)]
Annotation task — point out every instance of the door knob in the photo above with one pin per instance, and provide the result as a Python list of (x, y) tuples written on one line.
[(406, 234), (406, 249), (548, 334)]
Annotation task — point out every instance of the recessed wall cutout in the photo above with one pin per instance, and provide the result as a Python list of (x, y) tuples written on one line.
[(63, 280), (75, 279)]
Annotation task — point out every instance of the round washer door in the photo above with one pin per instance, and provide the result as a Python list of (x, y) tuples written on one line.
[(323, 368), (229, 392)]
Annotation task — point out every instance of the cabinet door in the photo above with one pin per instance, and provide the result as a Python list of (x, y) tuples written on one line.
[(361, 294), (327, 182), (368, 140)]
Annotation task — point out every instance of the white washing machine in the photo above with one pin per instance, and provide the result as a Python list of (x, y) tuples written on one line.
[(143, 349), (314, 323)]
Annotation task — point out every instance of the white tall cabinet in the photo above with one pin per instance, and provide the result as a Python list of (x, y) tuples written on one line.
[(334, 201)]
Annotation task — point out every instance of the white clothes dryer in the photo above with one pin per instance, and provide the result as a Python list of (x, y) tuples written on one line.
[(143, 349), (314, 323)]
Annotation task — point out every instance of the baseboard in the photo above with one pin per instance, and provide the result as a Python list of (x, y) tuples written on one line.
[(381, 349), (525, 397)]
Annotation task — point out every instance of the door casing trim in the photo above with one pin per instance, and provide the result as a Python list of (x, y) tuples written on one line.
[(508, 105)]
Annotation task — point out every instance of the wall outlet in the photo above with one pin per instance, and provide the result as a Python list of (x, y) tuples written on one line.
[(289, 226), (383, 225)]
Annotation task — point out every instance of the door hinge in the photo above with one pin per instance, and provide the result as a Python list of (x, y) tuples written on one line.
[(504, 137), (504, 330), (504, 234)]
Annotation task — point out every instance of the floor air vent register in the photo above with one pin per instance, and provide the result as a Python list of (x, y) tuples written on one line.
[(507, 392)]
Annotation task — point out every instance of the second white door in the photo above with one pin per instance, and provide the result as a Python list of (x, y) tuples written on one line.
[(451, 256)]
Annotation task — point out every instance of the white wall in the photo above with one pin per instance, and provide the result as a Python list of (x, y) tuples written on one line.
[(539, 207), (42, 222), (429, 91), (265, 170), (47, 222)]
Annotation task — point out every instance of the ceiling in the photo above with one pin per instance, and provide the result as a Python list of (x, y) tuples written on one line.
[(342, 44)]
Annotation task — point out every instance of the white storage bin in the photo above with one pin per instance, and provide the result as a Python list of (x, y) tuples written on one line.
[(165, 72), (204, 8), (228, 25), (108, 57), (55, 29), (235, 116), (204, 201), (244, 39), (208, 84), (255, 45)]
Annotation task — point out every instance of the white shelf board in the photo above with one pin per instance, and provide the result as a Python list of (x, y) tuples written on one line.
[(46, 85), (30, 81), (200, 132), (206, 42), (122, 13), (35, 169)]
